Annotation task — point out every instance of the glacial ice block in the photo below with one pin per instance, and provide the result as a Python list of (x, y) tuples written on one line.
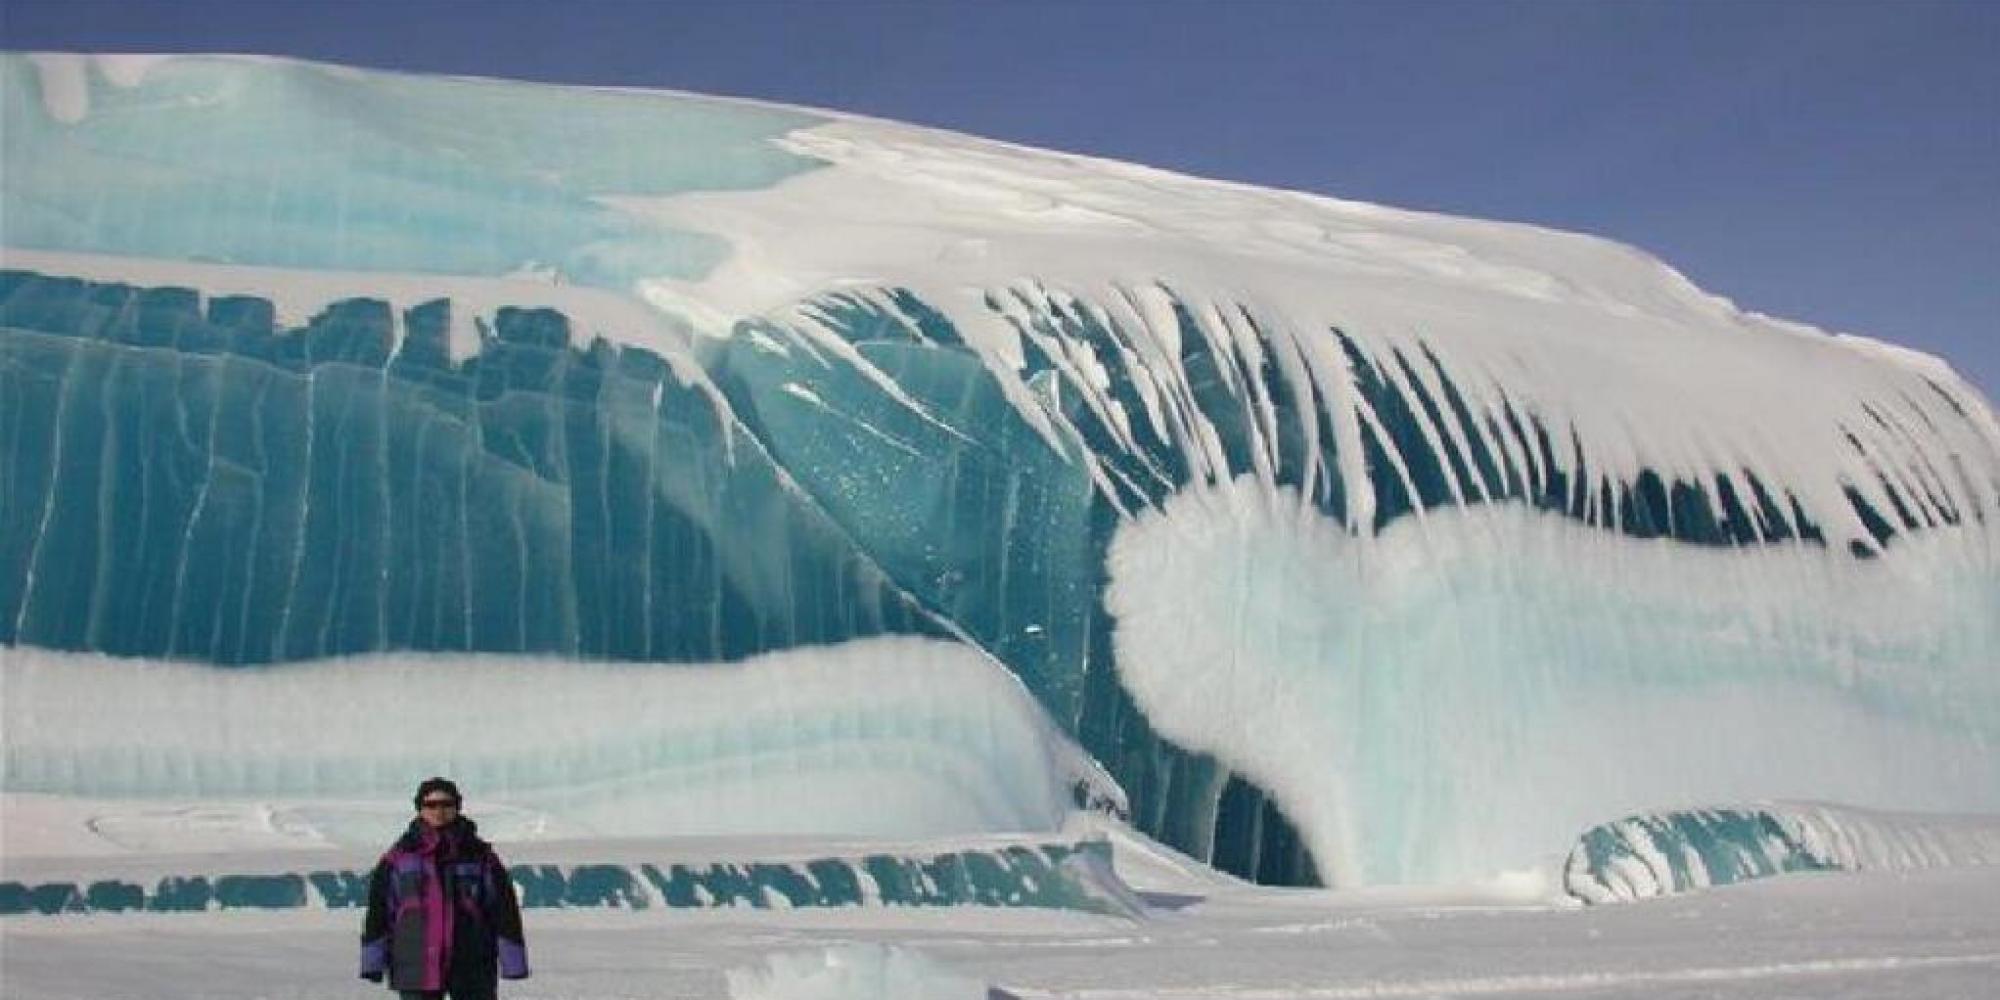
[(1357, 544)]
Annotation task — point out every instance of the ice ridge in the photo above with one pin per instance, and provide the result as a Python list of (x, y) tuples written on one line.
[(1661, 853), (1049, 875)]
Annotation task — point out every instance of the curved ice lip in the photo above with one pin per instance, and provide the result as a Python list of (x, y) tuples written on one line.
[(1677, 850)]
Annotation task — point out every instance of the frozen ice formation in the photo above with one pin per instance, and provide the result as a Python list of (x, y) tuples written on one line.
[(1656, 854), (1357, 545), (1453, 695), (887, 737), (1046, 873)]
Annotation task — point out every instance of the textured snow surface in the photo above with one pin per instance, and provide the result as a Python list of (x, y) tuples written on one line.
[(1357, 543), (1606, 347), (1453, 696), (852, 972), (888, 737), (1932, 934)]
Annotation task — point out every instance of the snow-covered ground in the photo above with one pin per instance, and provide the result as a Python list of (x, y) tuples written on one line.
[(1932, 934)]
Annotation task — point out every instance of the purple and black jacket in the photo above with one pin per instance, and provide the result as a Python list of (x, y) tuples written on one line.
[(442, 914)]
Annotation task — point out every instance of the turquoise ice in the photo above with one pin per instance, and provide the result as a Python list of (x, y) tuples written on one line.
[(1680, 850), (297, 165), (1053, 874)]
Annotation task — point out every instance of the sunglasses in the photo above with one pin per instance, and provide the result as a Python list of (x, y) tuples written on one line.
[(440, 803)]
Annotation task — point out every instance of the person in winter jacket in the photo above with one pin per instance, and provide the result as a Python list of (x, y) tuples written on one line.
[(442, 916)]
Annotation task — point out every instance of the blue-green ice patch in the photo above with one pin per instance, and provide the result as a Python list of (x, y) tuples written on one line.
[(298, 165)]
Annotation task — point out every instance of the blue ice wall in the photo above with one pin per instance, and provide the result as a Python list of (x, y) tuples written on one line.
[(184, 479), (961, 503), (972, 511)]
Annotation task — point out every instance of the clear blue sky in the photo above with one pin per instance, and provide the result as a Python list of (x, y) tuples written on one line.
[(1831, 161)]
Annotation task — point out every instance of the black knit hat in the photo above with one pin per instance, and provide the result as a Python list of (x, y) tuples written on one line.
[(437, 785)]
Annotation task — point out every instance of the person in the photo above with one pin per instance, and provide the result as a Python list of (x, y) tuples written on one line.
[(442, 915)]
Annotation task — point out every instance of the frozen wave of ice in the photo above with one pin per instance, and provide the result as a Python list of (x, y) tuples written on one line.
[(1493, 499)]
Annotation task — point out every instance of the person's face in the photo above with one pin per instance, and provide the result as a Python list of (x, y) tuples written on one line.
[(437, 809)]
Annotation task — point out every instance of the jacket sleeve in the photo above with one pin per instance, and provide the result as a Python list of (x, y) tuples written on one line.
[(376, 925), (507, 923)]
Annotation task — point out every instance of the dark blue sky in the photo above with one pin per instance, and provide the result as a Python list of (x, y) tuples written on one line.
[(1830, 161)]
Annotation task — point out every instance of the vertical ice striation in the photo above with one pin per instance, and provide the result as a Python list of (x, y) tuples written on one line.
[(1358, 545), (187, 481), (1405, 606)]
